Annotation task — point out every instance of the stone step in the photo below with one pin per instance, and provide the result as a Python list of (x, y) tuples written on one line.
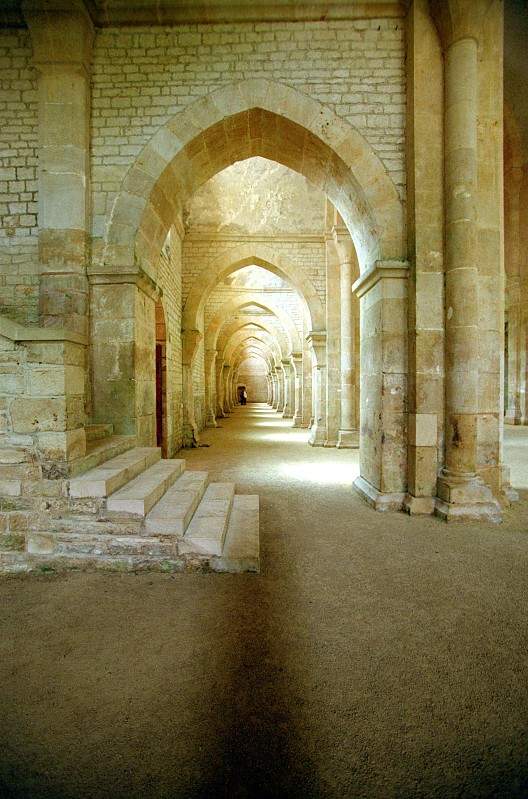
[(140, 495), (95, 432), (95, 545), (114, 473), (206, 532), (100, 451), (174, 511), (84, 524), (241, 545)]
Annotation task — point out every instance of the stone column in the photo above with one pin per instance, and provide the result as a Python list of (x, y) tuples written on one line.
[(383, 441), (229, 388), (425, 241), (281, 374), (289, 389), (275, 381), (307, 392), (62, 36), (190, 342), (210, 388), (317, 341), (514, 404), (220, 413), (269, 384), (333, 343), (225, 388), (348, 436), (297, 368), (462, 493)]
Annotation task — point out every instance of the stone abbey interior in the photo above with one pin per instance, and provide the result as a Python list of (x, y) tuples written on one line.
[(263, 398)]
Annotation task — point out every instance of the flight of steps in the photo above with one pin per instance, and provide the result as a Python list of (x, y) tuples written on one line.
[(137, 511)]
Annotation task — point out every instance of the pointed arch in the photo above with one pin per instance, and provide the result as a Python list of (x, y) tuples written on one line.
[(237, 304), (235, 122), (261, 255)]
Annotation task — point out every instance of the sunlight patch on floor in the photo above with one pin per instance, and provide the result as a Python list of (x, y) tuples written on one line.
[(270, 423), (290, 437), (321, 472)]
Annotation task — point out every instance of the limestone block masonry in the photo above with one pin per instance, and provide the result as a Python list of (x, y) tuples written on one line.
[(358, 285), (134, 512)]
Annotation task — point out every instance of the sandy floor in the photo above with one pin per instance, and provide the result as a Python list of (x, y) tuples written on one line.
[(375, 656)]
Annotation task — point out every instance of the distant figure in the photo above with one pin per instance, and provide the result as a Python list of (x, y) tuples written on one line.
[(244, 397)]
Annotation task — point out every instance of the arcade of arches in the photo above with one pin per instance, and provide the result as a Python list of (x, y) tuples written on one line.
[(331, 236), (321, 206)]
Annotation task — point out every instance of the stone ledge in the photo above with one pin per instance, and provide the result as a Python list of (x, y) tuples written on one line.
[(380, 270), (14, 331)]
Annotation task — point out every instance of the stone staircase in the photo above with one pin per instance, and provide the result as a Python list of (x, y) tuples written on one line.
[(137, 511)]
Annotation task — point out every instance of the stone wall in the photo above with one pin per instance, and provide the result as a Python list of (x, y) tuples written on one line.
[(142, 77), (42, 437), (252, 375), (18, 179)]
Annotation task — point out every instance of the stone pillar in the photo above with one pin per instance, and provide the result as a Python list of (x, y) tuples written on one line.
[(275, 381), (515, 388), (62, 35), (348, 435), (425, 238), (317, 341), (333, 343), (122, 349), (289, 389), (220, 413), (225, 388), (462, 494), (307, 393), (297, 368), (190, 341), (282, 388), (210, 388), (383, 438), (269, 384)]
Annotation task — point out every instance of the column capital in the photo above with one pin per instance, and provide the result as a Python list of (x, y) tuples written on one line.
[(317, 341), (344, 245), (458, 19), (190, 341), (380, 270), (62, 33)]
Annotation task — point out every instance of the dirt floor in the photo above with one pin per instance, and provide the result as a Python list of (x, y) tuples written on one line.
[(375, 656)]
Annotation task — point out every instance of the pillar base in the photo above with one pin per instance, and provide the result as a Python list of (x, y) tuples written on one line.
[(419, 506), (466, 499), (508, 493), (377, 499), (297, 421), (287, 415), (317, 436), (348, 439), (515, 419)]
